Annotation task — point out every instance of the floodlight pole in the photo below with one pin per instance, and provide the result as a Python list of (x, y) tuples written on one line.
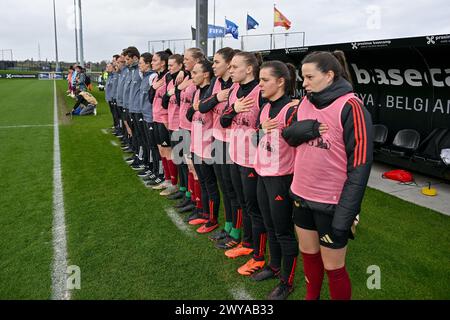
[(76, 29), (214, 22), (80, 34), (56, 38)]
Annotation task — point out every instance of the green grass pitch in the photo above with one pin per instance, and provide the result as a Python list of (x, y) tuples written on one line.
[(127, 247)]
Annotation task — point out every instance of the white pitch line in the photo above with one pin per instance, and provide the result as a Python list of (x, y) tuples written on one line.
[(59, 269), (27, 126), (104, 131), (178, 221), (240, 293), (114, 143)]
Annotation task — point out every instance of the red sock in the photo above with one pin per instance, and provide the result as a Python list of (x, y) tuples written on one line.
[(339, 283), (314, 271), (173, 172), (198, 194), (166, 168), (191, 186)]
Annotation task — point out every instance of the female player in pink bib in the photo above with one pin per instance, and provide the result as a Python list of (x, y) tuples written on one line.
[(330, 172), (241, 116), (171, 102), (193, 200), (274, 164), (160, 116), (216, 101), (201, 147)]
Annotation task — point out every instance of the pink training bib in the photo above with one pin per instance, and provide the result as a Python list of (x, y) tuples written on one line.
[(173, 109), (159, 113), (186, 97), (201, 133), (320, 169), (242, 130), (274, 156), (219, 132)]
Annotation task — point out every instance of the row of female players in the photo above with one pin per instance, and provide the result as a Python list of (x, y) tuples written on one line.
[(292, 172)]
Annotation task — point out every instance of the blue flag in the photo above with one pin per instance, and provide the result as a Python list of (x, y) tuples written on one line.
[(231, 28), (251, 23), (215, 31)]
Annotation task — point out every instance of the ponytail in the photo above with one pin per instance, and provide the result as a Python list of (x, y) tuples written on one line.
[(164, 56), (292, 87), (340, 56), (259, 58)]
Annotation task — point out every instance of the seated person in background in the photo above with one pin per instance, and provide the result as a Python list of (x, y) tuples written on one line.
[(86, 104)]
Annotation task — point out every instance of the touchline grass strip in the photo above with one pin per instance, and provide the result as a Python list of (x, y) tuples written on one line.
[(59, 276)]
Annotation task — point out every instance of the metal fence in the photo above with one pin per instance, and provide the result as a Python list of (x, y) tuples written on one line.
[(176, 45), (45, 66), (250, 42)]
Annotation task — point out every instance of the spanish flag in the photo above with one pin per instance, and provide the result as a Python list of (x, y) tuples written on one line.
[(279, 20)]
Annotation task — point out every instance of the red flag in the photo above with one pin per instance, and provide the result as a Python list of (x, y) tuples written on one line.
[(279, 20)]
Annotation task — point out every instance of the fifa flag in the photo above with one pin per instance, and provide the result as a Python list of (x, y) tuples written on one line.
[(279, 20), (231, 28), (213, 32)]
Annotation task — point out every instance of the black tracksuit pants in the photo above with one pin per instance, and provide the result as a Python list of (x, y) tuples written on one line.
[(153, 152), (123, 118), (114, 114), (276, 208), (245, 181), (182, 148), (118, 111), (222, 170), (138, 135), (142, 139), (209, 187)]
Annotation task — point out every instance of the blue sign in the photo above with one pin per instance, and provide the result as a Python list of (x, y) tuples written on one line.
[(51, 76), (215, 31), (232, 28), (43, 75)]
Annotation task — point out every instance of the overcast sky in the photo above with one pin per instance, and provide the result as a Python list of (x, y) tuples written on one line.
[(110, 25)]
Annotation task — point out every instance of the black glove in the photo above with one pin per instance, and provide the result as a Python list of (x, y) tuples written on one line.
[(342, 235), (190, 114), (301, 132), (165, 101)]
